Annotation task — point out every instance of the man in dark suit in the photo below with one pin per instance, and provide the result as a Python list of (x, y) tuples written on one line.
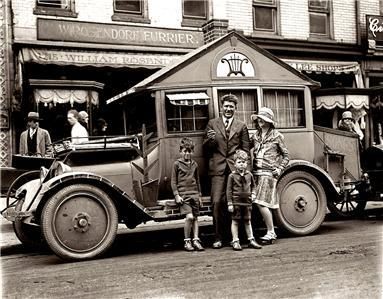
[(223, 136), (35, 141)]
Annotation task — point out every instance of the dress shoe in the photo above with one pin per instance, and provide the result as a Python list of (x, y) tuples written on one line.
[(254, 244), (217, 244), (197, 245)]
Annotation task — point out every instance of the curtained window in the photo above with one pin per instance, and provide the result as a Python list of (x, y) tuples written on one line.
[(287, 105), (247, 104), (187, 112)]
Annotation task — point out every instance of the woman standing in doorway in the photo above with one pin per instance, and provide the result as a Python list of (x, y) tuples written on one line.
[(270, 158)]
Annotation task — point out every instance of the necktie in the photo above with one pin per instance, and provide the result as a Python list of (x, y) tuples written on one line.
[(227, 127)]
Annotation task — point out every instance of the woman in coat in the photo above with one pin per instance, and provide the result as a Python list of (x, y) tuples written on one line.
[(270, 157)]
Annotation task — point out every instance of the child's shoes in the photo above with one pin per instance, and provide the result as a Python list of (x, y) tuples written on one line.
[(254, 244), (188, 245), (236, 245), (197, 245)]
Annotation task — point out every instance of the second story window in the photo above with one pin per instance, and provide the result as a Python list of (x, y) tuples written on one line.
[(320, 18), (55, 7), (265, 15), (130, 11), (194, 12)]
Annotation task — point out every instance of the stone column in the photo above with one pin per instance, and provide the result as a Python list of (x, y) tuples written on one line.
[(6, 71)]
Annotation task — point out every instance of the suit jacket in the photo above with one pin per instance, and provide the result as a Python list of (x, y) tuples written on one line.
[(43, 140), (221, 150)]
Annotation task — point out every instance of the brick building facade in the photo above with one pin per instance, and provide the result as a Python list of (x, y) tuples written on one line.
[(77, 54)]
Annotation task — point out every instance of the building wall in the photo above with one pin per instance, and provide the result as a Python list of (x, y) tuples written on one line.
[(294, 18), (6, 75), (167, 14)]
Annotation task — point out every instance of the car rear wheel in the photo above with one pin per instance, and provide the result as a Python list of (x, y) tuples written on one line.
[(79, 222), (302, 205), (347, 206)]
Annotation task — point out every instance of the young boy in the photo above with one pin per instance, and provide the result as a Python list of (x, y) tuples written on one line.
[(187, 192), (240, 193)]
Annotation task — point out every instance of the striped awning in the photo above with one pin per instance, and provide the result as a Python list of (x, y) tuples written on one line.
[(189, 99)]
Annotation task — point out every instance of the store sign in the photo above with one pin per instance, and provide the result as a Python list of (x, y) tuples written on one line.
[(324, 66), (93, 58), (375, 27), (86, 32)]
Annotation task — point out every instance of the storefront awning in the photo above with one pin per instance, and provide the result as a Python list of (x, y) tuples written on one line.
[(328, 67), (62, 96), (189, 99), (95, 58), (343, 98)]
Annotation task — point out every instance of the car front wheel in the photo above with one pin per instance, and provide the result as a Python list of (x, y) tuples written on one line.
[(79, 222), (302, 205)]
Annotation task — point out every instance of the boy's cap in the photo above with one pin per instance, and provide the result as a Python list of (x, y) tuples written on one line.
[(347, 115)]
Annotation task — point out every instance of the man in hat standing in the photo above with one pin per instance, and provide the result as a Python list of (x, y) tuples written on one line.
[(34, 141), (224, 135)]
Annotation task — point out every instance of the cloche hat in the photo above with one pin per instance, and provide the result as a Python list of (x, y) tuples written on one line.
[(264, 113)]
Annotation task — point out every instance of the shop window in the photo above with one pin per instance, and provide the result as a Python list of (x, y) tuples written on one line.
[(187, 112), (194, 12), (320, 18), (131, 11), (55, 7), (265, 15), (287, 105), (247, 104)]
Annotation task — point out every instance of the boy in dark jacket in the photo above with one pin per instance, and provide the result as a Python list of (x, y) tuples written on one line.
[(187, 192), (240, 193)]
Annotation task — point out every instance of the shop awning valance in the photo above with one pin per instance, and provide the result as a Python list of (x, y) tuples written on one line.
[(343, 101), (62, 96), (189, 99)]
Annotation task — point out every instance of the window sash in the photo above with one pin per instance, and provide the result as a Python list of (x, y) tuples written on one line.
[(189, 5), (56, 4), (322, 5), (263, 9), (134, 7), (184, 118), (288, 107), (247, 104), (319, 24)]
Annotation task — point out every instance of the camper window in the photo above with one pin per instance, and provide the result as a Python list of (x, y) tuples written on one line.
[(247, 104), (186, 115), (287, 105)]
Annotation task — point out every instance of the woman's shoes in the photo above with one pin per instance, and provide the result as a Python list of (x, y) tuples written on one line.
[(197, 245), (188, 245), (269, 238), (254, 244)]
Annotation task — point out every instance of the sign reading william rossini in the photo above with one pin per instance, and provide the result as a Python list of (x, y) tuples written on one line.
[(375, 27), (87, 32)]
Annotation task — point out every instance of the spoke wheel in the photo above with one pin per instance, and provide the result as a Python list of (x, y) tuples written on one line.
[(302, 205), (79, 222), (348, 206)]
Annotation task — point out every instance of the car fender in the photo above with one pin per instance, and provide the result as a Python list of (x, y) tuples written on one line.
[(315, 170), (125, 204)]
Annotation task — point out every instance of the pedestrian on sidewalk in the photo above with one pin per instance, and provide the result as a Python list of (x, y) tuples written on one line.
[(186, 188), (240, 193), (270, 157), (35, 141)]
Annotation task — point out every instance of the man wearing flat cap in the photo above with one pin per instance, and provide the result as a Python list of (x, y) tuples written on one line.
[(34, 141), (224, 135)]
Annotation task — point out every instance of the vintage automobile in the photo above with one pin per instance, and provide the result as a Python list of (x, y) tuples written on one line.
[(77, 204)]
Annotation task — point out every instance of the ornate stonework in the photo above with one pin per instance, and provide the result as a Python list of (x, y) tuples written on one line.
[(5, 127)]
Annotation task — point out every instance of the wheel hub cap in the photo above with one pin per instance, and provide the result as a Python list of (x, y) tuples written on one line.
[(300, 203), (81, 222)]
